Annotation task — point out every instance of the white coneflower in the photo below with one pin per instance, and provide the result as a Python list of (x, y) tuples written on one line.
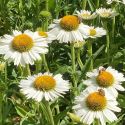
[(86, 15), (22, 48), (91, 32), (95, 104), (44, 86), (67, 29), (108, 78), (106, 13)]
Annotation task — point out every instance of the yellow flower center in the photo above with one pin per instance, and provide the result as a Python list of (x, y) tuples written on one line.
[(92, 32), (69, 22), (96, 101), (45, 83), (105, 79), (41, 33), (22, 43), (86, 15), (105, 14)]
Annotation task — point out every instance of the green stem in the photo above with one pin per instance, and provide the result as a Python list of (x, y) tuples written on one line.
[(73, 57), (26, 71), (38, 65), (113, 29), (107, 47), (39, 113), (1, 108), (57, 111), (73, 68), (89, 43), (57, 107), (107, 51), (5, 72), (20, 70), (97, 4), (49, 113), (84, 3), (47, 5), (45, 62), (45, 27), (79, 59)]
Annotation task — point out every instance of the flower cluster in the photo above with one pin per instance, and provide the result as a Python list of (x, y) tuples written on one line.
[(102, 12), (98, 100)]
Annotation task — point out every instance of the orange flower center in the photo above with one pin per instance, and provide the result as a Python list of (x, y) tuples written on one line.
[(69, 22), (22, 43), (92, 32), (105, 79), (41, 33), (96, 101), (45, 83)]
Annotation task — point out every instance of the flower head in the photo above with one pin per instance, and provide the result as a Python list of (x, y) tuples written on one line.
[(86, 15), (95, 104), (22, 48), (67, 29), (45, 86), (106, 13), (43, 15), (91, 32), (108, 78)]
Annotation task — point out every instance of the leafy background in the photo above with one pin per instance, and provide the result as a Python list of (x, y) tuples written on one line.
[(26, 14)]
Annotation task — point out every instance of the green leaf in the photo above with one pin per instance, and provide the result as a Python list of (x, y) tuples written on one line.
[(60, 116)]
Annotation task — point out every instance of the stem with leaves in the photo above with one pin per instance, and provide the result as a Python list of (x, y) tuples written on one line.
[(49, 112)]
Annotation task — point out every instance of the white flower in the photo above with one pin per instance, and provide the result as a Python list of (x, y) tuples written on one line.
[(106, 13), (44, 86), (67, 29), (90, 31), (123, 1), (108, 78), (93, 103), (86, 15), (22, 48), (48, 36)]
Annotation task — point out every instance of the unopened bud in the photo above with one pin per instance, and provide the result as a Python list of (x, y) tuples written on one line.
[(74, 117)]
